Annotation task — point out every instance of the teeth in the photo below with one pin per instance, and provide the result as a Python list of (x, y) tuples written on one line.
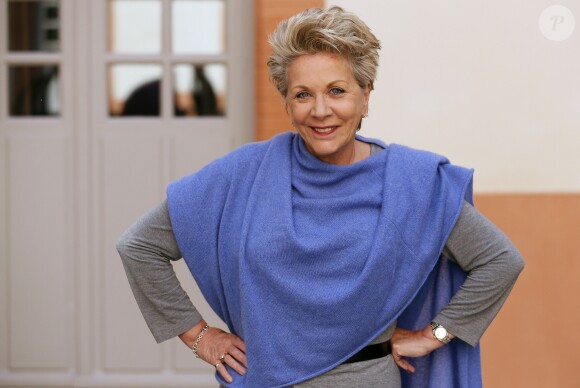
[(324, 130)]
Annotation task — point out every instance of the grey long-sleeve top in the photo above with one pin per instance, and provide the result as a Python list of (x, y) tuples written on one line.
[(479, 247)]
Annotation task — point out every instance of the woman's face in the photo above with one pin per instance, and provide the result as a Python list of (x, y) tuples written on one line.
[(326, 105)]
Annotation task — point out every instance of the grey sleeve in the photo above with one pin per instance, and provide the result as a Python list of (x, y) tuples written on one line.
[(493, 264), (146, 250)]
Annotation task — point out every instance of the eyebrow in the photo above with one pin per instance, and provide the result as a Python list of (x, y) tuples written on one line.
[(331, 83)]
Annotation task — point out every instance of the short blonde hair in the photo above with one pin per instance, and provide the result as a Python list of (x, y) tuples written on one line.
[(331, 30)]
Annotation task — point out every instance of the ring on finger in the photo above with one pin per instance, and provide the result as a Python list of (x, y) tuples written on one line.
[(218, 364), (223, 356)]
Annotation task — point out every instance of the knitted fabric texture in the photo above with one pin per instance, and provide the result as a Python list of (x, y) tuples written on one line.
[(308, 262)]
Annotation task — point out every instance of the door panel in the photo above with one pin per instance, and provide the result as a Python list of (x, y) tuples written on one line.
[(37, 266), (75, 173), (130, 181), (39, 276)]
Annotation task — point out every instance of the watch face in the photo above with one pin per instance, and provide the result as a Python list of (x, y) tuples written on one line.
[(440, 332)]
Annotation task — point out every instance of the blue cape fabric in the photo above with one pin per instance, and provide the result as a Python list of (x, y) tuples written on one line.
[(308, 262)]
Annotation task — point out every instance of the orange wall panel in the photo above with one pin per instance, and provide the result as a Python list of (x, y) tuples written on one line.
[(535, 341), (271, 118)]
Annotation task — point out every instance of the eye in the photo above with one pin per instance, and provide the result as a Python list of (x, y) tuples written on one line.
[(302, 95), (336, 91)]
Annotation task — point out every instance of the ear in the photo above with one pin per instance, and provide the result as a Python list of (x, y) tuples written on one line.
[(367, 94), (287, 106)]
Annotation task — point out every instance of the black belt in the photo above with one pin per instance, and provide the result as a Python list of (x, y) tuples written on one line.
[(371, 352)]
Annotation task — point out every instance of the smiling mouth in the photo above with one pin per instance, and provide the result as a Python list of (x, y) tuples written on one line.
[(324, 131)]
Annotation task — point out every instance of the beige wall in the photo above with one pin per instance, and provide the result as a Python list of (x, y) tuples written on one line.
[(479, 83)]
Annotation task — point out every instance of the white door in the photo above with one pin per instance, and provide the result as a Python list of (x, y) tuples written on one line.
[(102, 104)]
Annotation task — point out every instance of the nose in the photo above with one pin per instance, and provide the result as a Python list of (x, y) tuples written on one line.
[(321, 109)]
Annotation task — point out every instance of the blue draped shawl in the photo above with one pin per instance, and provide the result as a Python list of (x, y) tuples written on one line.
[(308, 262)]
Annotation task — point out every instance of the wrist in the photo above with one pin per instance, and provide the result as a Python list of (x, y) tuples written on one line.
[(427, 332), (190, 336), (198, 339), (439, 333)]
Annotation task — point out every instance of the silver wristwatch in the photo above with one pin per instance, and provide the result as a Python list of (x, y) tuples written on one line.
[(440, 333)]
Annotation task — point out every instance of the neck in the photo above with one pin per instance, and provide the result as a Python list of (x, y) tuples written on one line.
[(360, 151)]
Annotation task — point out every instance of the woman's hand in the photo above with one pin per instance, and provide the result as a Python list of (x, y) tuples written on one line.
[(408, 343), (216, 343)]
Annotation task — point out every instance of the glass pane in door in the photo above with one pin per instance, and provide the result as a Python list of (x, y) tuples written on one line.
[(198, 26), (200, 90), (134, 26), (134, 90), (34, 90), (33, 26)]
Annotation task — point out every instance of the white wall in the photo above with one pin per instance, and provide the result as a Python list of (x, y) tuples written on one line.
[(479, 83)]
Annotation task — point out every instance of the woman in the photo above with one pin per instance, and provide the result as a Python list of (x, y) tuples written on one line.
[(332, 258)]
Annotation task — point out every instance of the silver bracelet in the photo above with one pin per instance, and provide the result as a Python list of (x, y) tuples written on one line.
[(196, 344)]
